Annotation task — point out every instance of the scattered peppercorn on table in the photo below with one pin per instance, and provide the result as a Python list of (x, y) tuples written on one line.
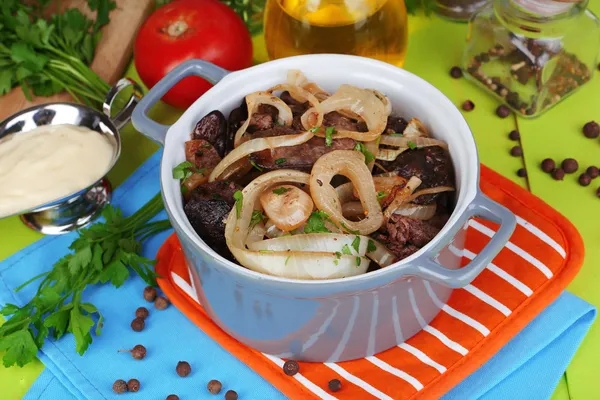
[(435, 46)]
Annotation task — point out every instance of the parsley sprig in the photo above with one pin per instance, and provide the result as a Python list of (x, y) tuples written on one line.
[(104, 252), (48, 56)]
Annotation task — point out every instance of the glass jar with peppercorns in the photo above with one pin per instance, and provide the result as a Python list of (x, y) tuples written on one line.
[(532, 53)]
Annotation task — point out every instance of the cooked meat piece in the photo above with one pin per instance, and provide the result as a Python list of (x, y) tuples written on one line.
[(277, 130), (201, 153), (300, 157), (297, 123), (297, 107), (430, 164), (396, 125), (340, 122), (403, 230), (212, 128), (208, 207), (260, 122), (236, 119), (401, 251)]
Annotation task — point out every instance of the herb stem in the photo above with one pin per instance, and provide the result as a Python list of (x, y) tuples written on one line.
[(31, 280)]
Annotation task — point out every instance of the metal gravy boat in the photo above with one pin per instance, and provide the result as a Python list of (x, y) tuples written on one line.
[(82, 207)]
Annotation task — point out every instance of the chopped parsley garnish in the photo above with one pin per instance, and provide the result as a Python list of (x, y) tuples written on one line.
[(358, 261), (336, 262), (329, 131), (185, 170), (315, 129), (381, 195), (371, 246), (239, 200), (316, 223), (281, 190), (266, 251), (256, 166), (395, 134), (356, 243), (346, 250), (287, 259), (280, 161), (348, 229), (206, 146), (338, 255), (411, 145), (363, 149), (378, 140), (257, 218)]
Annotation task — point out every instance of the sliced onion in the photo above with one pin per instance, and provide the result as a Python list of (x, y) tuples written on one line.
[(379, 166), (351, 164), (359, 101), (297, 78), (287, 206), (381, 255), (272, 231), (255, 145), (416, 211), (345, 192), (390, 173), (373, 148), (314, 242), (389, 154), (195, 180), (403, 141), (384, 99), (415, 129), (253, 100), (433, 190), (385, 184), (302, 95), (402, 196), (257, 233), (289, 264)]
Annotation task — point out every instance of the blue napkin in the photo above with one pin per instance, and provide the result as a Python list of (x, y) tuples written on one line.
[(522, 366)]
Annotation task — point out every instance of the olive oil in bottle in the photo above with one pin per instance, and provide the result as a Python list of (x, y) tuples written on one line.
[(368, 28)]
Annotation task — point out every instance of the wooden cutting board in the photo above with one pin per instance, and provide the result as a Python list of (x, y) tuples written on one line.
[(113, 52)]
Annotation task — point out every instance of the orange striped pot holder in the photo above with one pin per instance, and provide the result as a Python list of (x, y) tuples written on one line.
[(543, 256)]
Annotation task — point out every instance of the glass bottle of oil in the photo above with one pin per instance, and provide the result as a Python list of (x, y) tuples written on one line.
[(368, 28)]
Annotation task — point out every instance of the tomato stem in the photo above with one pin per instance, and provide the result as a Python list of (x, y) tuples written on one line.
[(177, 28)]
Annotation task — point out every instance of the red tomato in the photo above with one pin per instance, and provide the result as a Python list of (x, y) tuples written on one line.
[(187, 29)]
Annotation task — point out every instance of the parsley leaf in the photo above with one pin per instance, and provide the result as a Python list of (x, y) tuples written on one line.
[(20, 348), (184, 170), (348, 229), (239, 201), (315, 129), (257, 218), (346, 250), (316, 222), (363, 149), (411, 145), (358, 261), (356, 243), (338, 255), (336, 262), (280, 161), (371, 246), (281, 190), (256, 166), (395, 134), (287, 259), (381, 195), (329, 131)]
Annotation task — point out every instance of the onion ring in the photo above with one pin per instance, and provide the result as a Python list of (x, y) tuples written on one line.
[(253, 100)]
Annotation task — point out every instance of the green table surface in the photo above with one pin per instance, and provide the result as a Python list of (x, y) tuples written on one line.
[(434, 46)]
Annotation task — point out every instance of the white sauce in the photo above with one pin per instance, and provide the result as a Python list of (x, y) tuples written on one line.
[(49, 163)]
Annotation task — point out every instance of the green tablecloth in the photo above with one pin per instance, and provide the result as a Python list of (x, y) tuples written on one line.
[(434, 46)]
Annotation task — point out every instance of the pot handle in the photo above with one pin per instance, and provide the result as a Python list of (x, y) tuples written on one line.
[(123, 116), (152, 129), (427, 266)]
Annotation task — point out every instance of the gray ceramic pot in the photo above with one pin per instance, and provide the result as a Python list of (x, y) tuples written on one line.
[(338, 319)]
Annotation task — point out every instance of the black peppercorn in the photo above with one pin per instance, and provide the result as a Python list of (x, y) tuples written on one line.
[(570, 165), (558, 174), (120, 386), (214, 386), (548, 165), (456, 72), (172, 397), (522, 172), (468, 105), (502, 111), (138, 324), (516, 151), (591, 130), (335, 385), (149, 293), (291, 368), (183, 368), (138, 352), (161, 303), (133, 385), (231, 395), (514, 135), (142, 313), (585, 179), (593, 172)]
